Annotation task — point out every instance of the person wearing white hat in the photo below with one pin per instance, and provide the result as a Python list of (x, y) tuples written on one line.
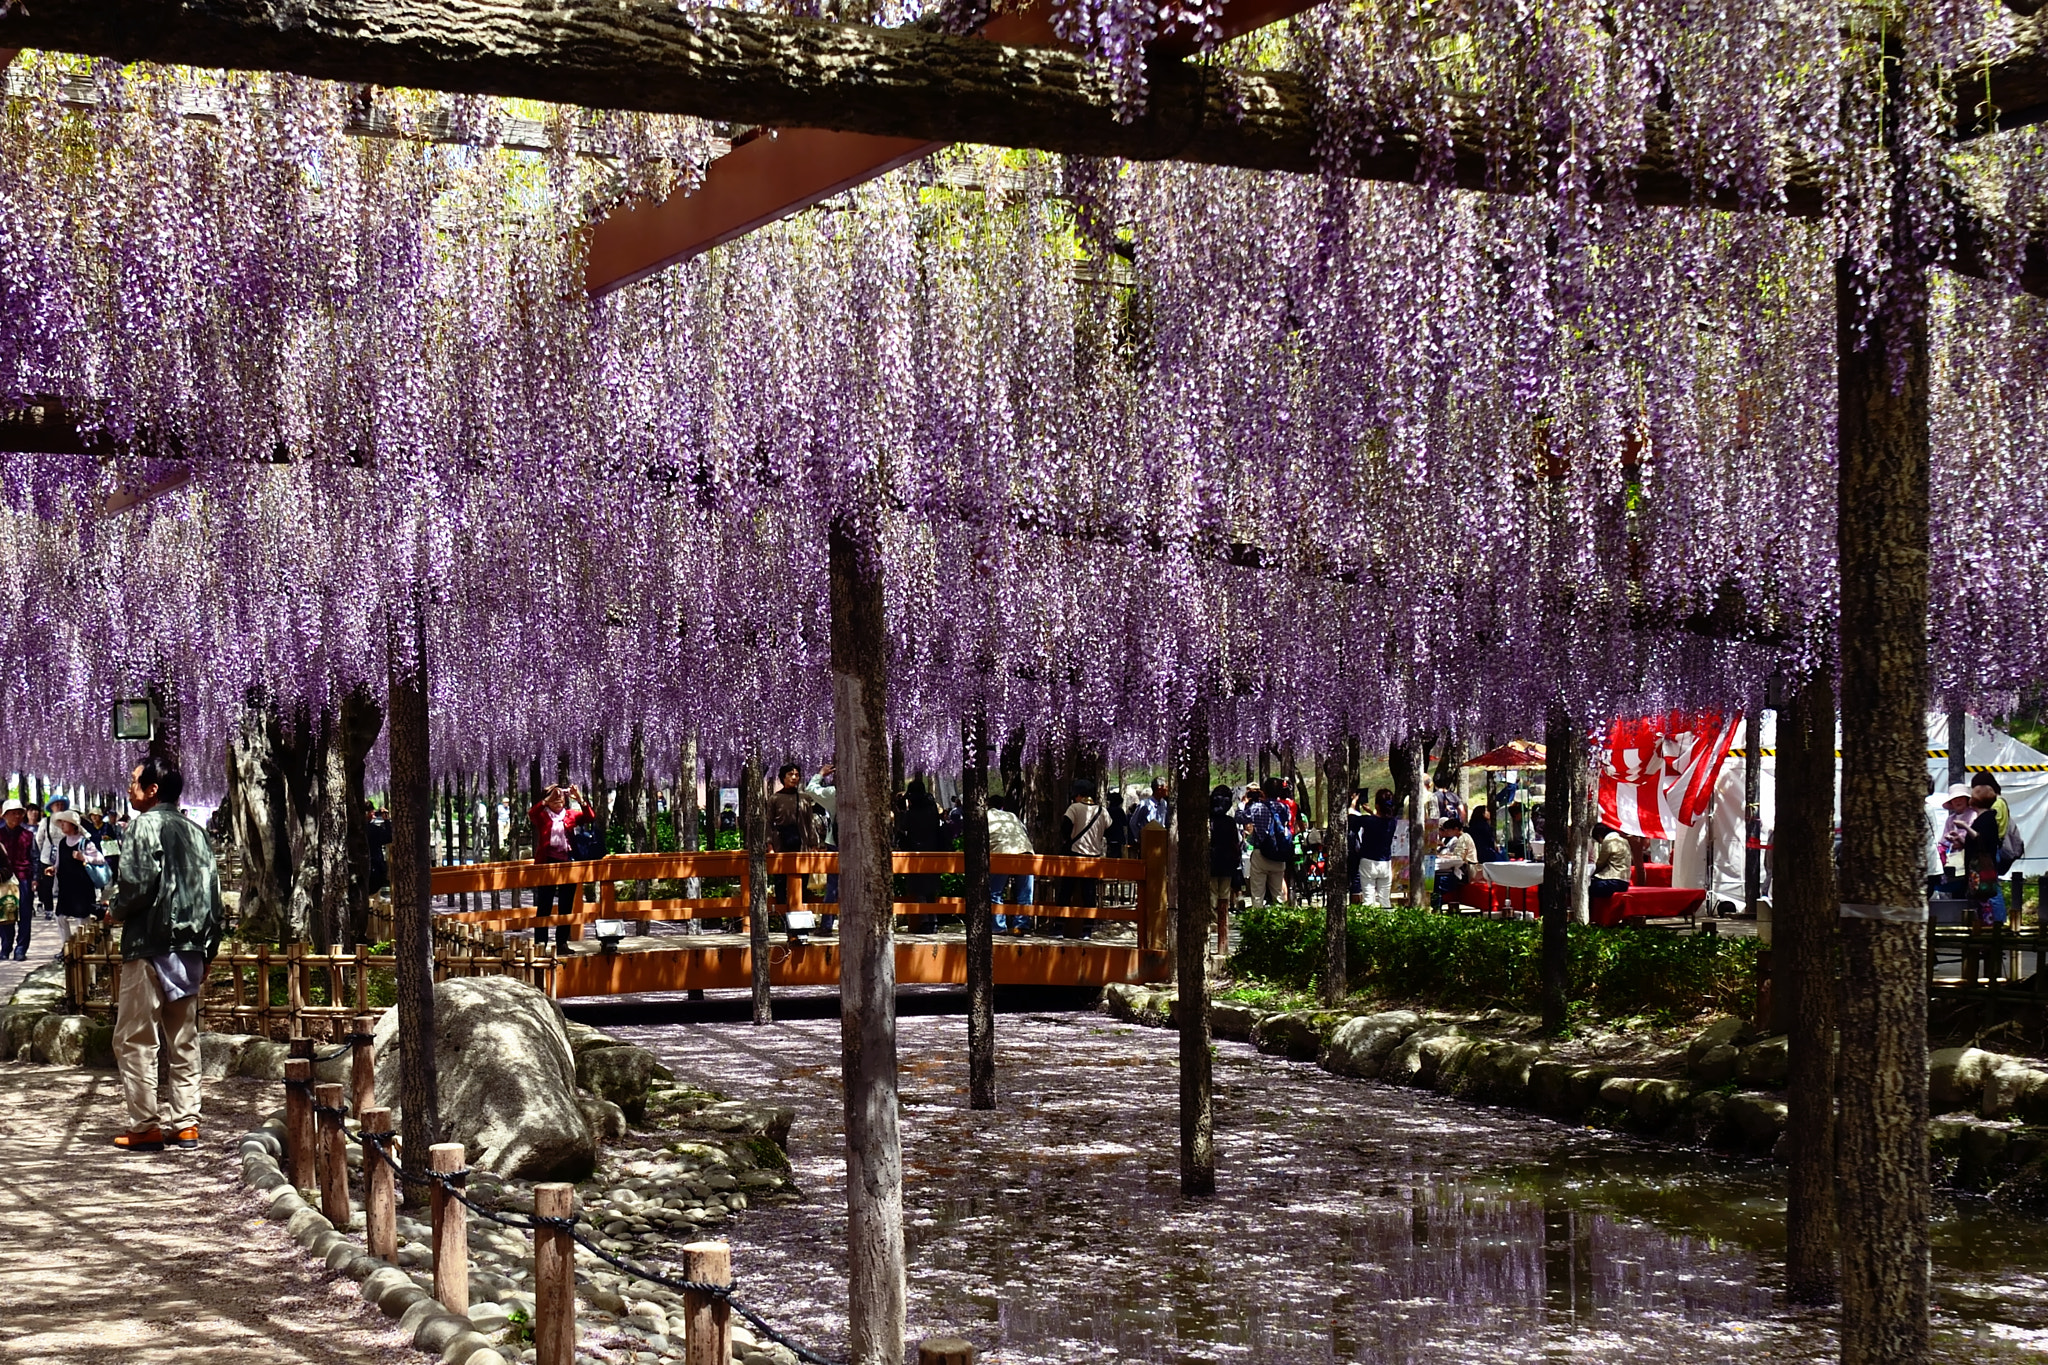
[(80, 869), (18, 859), (1948, 849)]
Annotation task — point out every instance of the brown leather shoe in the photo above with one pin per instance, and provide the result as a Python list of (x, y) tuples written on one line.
[(186, 1139), (144, 1140)]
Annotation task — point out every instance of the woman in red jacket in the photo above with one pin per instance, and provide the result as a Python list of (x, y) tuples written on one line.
[(554, 823)]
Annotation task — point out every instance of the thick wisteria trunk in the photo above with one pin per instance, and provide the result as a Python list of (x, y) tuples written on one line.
[(412, 857), (754, 830), (1562, 779), (1194, 921), (1010, 762), (594, 793), (1882, 465), (1336, 880), (362, 719), (867, 979), (262, 822), (1958, 746), (1804, 914), (981, 918), (628, 811), (689, 836)]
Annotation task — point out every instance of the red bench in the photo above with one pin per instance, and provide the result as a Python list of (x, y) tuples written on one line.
[(1647, 902)]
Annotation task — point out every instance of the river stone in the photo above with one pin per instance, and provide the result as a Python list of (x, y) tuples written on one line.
[(621, 1074), (1406, 1064), (1765, 1065), (489, 1318), (383, 1281), (18, 1028), (1727, 1031), (1232, 1021), (66, 1040), (1717, 1065), (263, 1060), (1289, 1035), (42, 988), (506, 1076), (1498, 1071), (435, 1331), (1759, 1118), (1656, 1102), (606, 1119), (1360, 1046), (1955, 1078)]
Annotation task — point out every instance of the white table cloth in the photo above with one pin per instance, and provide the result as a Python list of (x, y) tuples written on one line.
[(1511, 874)]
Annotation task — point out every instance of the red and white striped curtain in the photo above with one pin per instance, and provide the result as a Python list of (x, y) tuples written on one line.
[(1658, 773)]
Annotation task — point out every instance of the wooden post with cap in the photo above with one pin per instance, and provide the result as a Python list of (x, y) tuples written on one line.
[(707, 1334), (945, 1351), (333, 1156), (298, 1122), (554, 1278), (363, 1066), (451, 1227), (380, 1190)]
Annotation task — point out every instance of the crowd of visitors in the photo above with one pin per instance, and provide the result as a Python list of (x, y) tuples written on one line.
[(56, 864)]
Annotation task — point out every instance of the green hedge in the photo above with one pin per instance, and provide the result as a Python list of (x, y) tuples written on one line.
[(1467, 963)]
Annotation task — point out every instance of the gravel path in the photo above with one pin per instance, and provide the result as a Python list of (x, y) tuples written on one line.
[(152, 1259)]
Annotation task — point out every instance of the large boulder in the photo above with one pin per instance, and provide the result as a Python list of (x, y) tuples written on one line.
[(1232, 1021), (73, 1040), (1759, 1118), (2013, 1089), (1414, 1061), (506, 1076), (1360, 1046), (1496, 1071), (42, 988), (1765, 1065), (18, 1029), (218, 1053)]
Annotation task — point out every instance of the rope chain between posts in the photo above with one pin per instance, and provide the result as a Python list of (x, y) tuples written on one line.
[(452, 1184)]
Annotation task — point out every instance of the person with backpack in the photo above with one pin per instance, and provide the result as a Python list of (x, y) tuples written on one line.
[(1086, 827), (1982, 848), (2011, 847), (1226, 848), (1272, 837), (556, 830)]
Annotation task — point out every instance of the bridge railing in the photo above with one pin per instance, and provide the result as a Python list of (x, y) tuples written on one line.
[(1147, 872)]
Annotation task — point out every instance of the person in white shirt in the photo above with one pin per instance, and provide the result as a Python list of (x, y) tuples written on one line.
[(823, 790), (1006, 834), (1086, 826), (1455, 859)]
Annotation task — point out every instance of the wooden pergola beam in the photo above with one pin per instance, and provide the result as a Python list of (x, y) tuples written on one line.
[(770, 177)]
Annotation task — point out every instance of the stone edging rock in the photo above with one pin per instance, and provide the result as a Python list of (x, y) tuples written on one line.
[(451, 1336)]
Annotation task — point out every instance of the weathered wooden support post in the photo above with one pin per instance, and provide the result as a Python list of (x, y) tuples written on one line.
[(554, 1278), (1803, 903), (1562, 778), (867, 952), (412, 801), (981, 919), (380, 1190), (451, 1227), (362, 1065), (301, 1164), (707, 1318), (1191, 951), (333, 1139), (945, 1351), (754, 829), (1881, 531), (1336, 872)]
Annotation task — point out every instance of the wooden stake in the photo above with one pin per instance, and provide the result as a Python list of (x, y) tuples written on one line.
[(363, 1065), (380, 1192), (754, 832), (333, 1139), (451, 1228), (944, 1351), (412, 911), (298, 1123), (554, 1279), (707, 1335)]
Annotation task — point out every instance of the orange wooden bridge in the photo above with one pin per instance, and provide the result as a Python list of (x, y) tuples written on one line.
[(638, 961)]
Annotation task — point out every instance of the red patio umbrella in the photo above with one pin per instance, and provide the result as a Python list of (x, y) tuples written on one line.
[(1516, 753)]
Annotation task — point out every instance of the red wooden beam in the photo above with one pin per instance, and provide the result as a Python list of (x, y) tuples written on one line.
[(776, 174)]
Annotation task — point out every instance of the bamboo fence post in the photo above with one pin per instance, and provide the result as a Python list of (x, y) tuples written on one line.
[(451, 1227), (945, 1351), (298, 1121), (333, 1156), (380, 1190), (707, 1334), (554, 1279), (263, 991), (362, 1064)]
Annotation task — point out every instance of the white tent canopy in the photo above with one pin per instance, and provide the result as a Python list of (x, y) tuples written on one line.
[(1713, 848)]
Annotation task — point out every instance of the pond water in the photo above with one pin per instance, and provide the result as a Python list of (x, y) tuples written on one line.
[(1354, 1221)]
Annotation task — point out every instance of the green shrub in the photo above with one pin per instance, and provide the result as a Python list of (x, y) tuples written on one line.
[(1467, 963)]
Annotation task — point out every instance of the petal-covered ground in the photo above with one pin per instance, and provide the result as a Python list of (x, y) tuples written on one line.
[(1354, 1221)]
